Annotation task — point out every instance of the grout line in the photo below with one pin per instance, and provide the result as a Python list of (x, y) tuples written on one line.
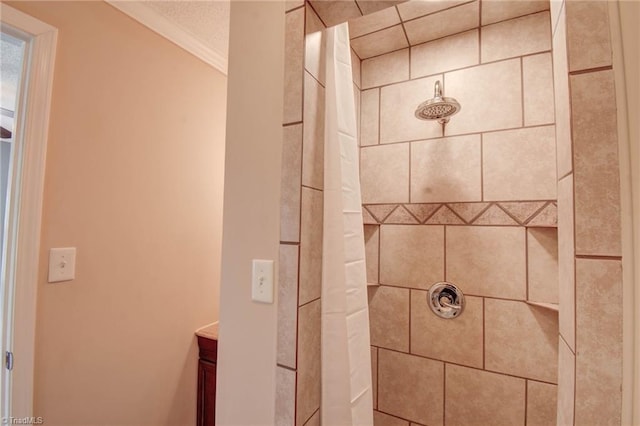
[(590, 70), (467, 366), (454, 69), (312, 188), (462, 202), (410, 320), (444, 394), (480, 33), (481, 167), (292, 123), (377, 376), (311, 416), (313, 9), (294, 9), (526, 397), (526, 256), (290, 243), (445, 251), (409, 183), (395, 416), (536, 213), (359, 9), (522, 104), (598, 257), (286, 367), (379, 113), (438, 138), (309, 302), (484, 336), (567, 344), (568, 173), (379, 247)]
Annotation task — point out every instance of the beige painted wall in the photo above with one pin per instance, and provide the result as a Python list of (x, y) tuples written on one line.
[(134, 180), (247, 351)]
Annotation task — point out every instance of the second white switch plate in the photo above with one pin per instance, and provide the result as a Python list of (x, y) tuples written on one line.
[(262, 281)]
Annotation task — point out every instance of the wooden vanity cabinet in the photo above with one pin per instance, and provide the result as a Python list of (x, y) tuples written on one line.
[(207, 381)]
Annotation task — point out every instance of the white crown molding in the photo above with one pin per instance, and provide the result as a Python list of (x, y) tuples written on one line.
[(171, 31)]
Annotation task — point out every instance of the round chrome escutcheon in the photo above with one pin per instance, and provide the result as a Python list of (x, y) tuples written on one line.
[(445, 300)]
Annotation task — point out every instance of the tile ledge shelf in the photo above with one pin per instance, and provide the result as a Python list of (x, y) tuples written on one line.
[(549, 306)]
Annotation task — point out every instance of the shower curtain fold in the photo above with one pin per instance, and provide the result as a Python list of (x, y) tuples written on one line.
[(346, 356)]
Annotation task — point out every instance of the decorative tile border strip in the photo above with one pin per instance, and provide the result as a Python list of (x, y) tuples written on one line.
[(500, 213)]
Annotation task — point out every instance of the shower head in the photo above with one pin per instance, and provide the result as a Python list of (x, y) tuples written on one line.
[(438, 108)]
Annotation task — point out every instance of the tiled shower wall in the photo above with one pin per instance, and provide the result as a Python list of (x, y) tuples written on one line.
[(300, 272), (476, 206), (590, 254), (589, 379)]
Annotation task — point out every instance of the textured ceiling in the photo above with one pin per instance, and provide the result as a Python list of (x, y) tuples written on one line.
[(208, 21)]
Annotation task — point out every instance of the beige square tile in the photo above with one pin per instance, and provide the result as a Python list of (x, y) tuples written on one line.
[(566, 384), (374, 375), (376, 21), (487, 260), (415, 9), (285, 397), (385, 69), (313, 24), (500, 10), (411, 387), (371, 252), (462, 50), (561, 93), (371, 6), (314, 420), (398, 104), (520, 164), (381, 419), (450, 21), (431, 335), (313, 133), (356, 98), (566, 262), (598, 341), (595, 161), (308, 380), (384, 173), (433, 179), (370, 117), (290, 183), (542, 404), (555, 7), (293, 67), (335, 12), (474, 87), (542, 252), (476, 397), (411, 255), (292, 4), (526, 35), (310, 246), (389, 317), (537, 81), (287, 305), (521, 340), (355, 69), (380, 42), (588, 39), (314, 58)]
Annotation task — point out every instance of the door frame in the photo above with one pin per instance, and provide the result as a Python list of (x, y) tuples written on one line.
[(39, 83)]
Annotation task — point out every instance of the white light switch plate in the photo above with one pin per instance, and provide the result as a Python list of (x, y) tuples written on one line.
[(262, 281), (62, 264)]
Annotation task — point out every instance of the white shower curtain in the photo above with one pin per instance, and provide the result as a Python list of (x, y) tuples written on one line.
[(346, 355)]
